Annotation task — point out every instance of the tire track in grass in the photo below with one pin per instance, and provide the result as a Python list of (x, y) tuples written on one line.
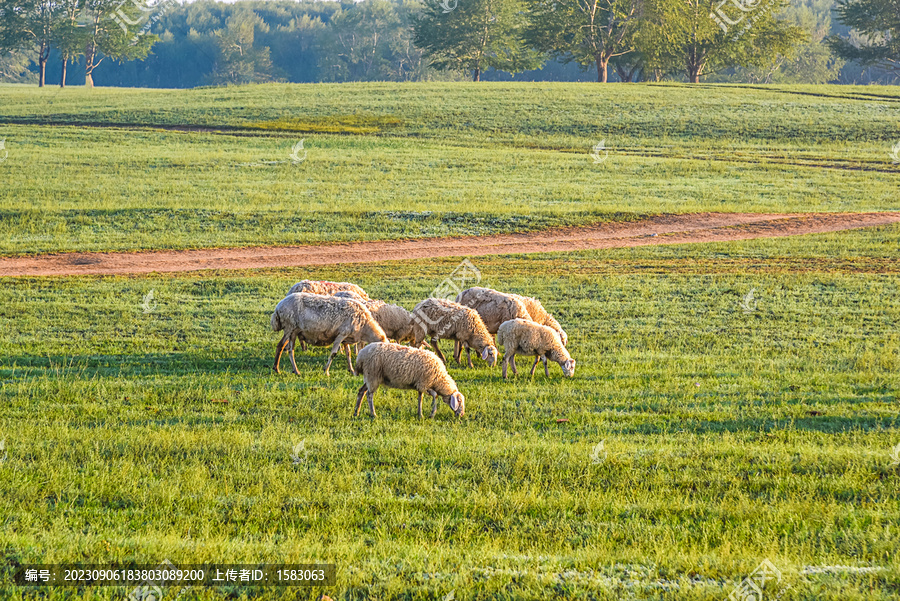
[(660, 229)]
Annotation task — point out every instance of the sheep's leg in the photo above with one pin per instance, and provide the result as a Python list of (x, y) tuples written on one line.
[(371, 398), (278, 350), (291, 354), (457, 351), (349, 360), (334, 351), (469, 356), (434, 403), (359, 398), (503, 363), (536, 359), (512, 361), (303, 345), (546, 369), (420, 404), (437, 350)]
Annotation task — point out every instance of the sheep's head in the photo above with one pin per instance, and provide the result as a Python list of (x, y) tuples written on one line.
[(372, 332), (457, 402), (568, 368), (489, 354)]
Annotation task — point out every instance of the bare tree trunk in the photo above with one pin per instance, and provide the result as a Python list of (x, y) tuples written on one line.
[(694, 65), (89, 52), (476, 75), (62, 78), (602, 71), (629, 75), (694, 73), (43, 55)]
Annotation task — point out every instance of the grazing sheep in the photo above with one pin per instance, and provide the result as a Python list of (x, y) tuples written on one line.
[(404, 367), (540, 315), (393, 319), (493, 307), (396, 321), (323, 320), (328, 288), (350, 294), (530, 338), (436, 318)]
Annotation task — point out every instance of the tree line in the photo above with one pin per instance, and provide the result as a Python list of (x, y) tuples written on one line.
[(160, 43)]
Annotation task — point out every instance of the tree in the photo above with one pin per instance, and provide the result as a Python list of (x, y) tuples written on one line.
[(588, 32), (878, 22), (69, 35), (239, 61), (28, 24), (14, 68), (476, 35), (356, 45), (113, 30), (700, 37)]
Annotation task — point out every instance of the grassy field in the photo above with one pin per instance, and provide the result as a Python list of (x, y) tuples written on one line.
[(137, 169), (731, 433)]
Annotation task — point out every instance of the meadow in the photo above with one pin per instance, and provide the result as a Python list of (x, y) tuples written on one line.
[(729, 435), (113, 169), (732, 402)]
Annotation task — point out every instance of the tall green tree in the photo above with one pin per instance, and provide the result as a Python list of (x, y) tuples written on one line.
[(114, 30), (14, 68), (29, 24), (369, 41), (700, 37), (474, 35), (588, 32), (69, 38), (239, 60), (878, 23)]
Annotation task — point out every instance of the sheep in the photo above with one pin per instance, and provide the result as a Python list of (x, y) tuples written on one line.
[(540, 315), (404, 367), (530, 338), (393, 319), (396, 321), (323, 320), (438, 318), (324, 287), (493, 307)]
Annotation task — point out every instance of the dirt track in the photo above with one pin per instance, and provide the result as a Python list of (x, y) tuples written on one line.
[(664, 229)]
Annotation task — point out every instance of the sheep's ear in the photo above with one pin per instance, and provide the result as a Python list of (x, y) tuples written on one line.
[(485, 353), (453, 402)]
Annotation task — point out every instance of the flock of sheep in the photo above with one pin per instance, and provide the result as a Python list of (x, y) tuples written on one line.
[(339, 314)]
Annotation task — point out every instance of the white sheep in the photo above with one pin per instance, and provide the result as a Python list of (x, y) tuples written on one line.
[(438, 319), (394, 320), (325, 287), (407, 368), (493, 307), (540, 315), (323, 320), (529, 338)]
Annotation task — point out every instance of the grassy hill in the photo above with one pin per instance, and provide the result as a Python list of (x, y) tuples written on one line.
[(130, 169)]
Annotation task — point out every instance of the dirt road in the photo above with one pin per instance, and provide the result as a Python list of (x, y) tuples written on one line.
[(663, 229)]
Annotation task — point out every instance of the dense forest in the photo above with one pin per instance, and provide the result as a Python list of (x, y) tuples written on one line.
[(166, 44)]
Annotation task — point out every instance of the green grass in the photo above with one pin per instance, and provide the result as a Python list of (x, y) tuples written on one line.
[(390, 161), (730, 437)]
